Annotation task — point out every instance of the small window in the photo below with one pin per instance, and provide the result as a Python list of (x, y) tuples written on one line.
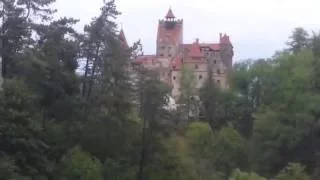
[(215, 61), (174, 78), (218, 71), (196, 66), (200, 76), (218, 81), (170, 55), (161, 54)]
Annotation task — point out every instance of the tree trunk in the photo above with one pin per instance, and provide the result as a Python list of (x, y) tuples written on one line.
[(93, 72)]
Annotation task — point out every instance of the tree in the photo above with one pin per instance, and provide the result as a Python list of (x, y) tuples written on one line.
[(238, 175), (216, 154), (77, 164), (188, 93), (21, 136), (299, 40), (152, 98), (293, 171), (17, 23)]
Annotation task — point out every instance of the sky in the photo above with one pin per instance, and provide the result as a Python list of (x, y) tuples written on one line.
[(257, 28)]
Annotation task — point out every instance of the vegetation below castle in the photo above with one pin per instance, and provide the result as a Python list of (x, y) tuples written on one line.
[(58, 125)]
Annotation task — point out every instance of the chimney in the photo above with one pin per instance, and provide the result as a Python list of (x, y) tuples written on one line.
[(197, 41)]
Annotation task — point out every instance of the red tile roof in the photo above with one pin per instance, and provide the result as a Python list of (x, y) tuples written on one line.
[(145, 59), (170, 14), (213, 46), (195, 50)]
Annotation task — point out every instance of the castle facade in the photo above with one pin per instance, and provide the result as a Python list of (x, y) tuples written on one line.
[(172, 54)]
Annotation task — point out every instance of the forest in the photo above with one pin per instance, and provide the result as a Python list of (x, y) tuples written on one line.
[(57, 123)]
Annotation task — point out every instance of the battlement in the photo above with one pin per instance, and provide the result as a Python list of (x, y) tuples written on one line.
[(178, 21)]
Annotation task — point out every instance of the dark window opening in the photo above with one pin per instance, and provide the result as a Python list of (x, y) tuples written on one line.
[(215, 61), (218, 71), (174, 78), (200, 76), (196, 66), (161, 54), (170, 55), (218, 81)]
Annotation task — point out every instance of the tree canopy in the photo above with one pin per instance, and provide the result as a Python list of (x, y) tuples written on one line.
[(72, 106)]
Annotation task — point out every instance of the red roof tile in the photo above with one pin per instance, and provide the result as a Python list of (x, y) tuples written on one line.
[(195, 50), (213, 46), (170, 14), (145, 59)]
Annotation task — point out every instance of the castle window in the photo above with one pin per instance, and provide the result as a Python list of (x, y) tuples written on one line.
[(218, 81), (161, 54), (174, 78), (218, 71), (170, 55), (200, 76), (196, 66), (215, 61)]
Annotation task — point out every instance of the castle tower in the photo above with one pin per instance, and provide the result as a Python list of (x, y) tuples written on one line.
[(123, 39), (170, 36), (226, 51)]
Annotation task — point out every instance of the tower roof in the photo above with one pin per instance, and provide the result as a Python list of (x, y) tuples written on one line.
[(123, 39), (170, 14)]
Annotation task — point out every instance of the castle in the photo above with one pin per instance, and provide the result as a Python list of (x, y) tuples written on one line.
[(172, 54)]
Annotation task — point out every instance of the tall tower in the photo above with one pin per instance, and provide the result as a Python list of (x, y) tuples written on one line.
[(226, 51), (170, 36)]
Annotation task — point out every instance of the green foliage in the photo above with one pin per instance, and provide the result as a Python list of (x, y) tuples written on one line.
[(293, 171), (20, 127), (299, 40), (238, 175), (200, 138), (77, 164), (268, 118), (221, 152), (229, 151), (188, 93)]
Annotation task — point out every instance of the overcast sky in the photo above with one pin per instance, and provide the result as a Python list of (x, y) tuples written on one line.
[(257, 28)]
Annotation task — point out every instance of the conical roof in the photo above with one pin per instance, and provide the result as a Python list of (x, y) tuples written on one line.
[(170, 14)]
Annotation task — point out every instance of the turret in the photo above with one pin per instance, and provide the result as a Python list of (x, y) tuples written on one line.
[(226, 48), (170, 35), (123, 39)]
